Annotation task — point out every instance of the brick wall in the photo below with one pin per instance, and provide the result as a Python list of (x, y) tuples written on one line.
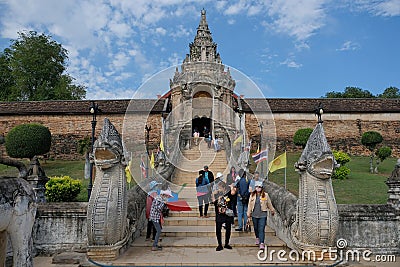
[(69, 122)]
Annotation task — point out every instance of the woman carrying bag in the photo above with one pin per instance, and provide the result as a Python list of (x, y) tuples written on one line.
[(259, 204)]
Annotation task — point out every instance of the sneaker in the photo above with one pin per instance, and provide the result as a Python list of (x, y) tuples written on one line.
[(219, 248), (262, 246), (156, 248), (239, 229), (147, 239), (228, 246), (257, 241)]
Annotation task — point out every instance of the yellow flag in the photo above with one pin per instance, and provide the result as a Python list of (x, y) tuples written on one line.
[(238, 140), (128, 172), (278, 163), (161, 145), (152, 160)]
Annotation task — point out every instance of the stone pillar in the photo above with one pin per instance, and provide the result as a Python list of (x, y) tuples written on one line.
[(393, 182)]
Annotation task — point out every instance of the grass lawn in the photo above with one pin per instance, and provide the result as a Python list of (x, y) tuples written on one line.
[(74, 169), (360, 188)]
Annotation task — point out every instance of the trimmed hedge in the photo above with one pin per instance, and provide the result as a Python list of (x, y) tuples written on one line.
[(301, 136), (28, 140), (62, 189)]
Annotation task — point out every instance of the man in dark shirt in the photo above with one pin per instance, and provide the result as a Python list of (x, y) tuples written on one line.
[(242, 199)]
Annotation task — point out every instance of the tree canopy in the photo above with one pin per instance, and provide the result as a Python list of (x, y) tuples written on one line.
[(33, 68), (350, 92), (355, 92), (390, 92)]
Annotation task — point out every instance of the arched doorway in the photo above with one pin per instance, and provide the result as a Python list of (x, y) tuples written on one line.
[(199, 123)]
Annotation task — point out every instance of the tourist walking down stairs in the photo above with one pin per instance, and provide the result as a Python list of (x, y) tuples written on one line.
[(259, 204)]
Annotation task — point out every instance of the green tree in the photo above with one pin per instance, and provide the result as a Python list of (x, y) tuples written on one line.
[(6, 81), (350, 92), (301, 136), (390, 92), (382, 153), (35, 65), (371, 139)]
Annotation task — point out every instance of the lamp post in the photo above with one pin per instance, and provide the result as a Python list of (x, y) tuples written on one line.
[(148, 129), (94, 109), (261, 125), (318, 112)]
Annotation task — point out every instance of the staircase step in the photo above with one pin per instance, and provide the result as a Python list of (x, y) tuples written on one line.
[(240, 241), (198, 256), (202, 231)]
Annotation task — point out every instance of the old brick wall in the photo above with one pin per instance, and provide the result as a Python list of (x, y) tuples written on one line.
[(344, 121), (343, 131)]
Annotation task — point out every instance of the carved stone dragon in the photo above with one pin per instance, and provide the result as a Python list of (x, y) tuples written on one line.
[(317, 216), (107, 209)]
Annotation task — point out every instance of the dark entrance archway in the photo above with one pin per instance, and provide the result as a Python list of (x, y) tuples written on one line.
[(199, 123)]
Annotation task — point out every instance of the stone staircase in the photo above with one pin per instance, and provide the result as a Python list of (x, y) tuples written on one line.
[(188, 240)]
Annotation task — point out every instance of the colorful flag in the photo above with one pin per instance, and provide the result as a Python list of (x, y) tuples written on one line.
[(143, 167), (128, 172), (152, 160), (278, 163), (238, 140), (162, 145), (260, 156)]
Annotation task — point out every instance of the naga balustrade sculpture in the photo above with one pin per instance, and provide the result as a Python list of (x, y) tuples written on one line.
[(107, 209), (317, 218)]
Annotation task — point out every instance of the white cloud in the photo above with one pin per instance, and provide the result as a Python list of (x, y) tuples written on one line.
[(349, 45), (386, 8), (161, 31), (300, 19), (291, 63), (180, 31), (231, 21)]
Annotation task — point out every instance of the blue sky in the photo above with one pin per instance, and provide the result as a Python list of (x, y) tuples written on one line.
[(290, 49)]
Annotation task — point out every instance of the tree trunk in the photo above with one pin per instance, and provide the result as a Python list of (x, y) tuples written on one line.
[(371, 167), (23, 172), (377, 164)]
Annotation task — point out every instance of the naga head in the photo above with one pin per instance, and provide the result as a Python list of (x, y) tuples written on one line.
[(108, 150), (317, 158)]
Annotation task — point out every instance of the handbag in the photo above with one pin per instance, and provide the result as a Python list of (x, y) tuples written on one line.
[(247, 227)]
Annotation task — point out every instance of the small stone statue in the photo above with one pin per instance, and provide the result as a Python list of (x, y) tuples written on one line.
[(396, 172)]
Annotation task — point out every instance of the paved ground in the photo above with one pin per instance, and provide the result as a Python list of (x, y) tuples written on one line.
[(191, 256)]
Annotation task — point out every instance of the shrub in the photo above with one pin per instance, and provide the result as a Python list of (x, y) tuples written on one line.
[(28, 140), (384, 152), (341, 157), (301, 136), (62, 189), (371, 139), (341, 173)]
